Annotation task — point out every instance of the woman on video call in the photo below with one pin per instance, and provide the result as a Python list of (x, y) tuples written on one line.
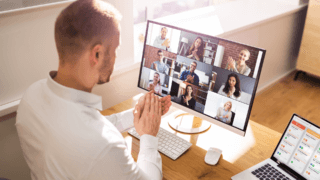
[(231, 88), (187, 99), (155, 84), (239, 66), (196, 50), (224, 113)]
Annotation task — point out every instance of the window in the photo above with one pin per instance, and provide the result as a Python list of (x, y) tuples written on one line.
[(144, 10)]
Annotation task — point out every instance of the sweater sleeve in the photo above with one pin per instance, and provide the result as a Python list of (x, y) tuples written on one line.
[(247, 72)]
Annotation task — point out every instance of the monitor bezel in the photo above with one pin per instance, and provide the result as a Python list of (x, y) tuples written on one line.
[(283, 134), (202, 115)]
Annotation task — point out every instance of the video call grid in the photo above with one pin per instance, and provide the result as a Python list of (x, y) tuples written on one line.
[(175, 57)]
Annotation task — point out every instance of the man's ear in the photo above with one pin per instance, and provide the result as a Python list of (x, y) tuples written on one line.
[(96, 54)]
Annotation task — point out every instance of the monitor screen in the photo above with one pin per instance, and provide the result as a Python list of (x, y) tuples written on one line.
[(299, 148), (211, 77)]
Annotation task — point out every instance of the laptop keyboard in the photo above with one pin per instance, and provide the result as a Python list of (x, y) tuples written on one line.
[(268, 172)]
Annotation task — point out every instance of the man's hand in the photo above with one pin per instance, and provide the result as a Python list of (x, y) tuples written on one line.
[(190, 78), (149, 121), (165, 103), (155, 66), (166, 43)]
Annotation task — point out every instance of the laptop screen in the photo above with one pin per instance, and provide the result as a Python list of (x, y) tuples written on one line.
[(299, 148), (205, 74)]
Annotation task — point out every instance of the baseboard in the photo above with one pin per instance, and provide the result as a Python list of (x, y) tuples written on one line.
[(270, 83)]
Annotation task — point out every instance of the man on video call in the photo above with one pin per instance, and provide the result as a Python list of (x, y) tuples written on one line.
[(190, 76), (159, 65), (161, 41), (61, 131)]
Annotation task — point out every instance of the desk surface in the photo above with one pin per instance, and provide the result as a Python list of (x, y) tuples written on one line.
[(238, 153)]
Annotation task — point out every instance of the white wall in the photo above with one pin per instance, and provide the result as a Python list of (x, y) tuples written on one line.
[(281, 38), (27, 46), (27, 50)]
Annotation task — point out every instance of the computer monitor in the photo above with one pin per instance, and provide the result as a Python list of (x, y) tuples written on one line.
[(212, 78)]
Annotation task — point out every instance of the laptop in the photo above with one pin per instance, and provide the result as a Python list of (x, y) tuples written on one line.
[(297, 155)]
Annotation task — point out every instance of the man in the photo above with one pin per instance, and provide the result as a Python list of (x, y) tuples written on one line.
[(190, 76), (159, 65), (161, 41), (61, 131)]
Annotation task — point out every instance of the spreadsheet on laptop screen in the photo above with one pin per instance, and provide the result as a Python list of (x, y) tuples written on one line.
[(299, 148)]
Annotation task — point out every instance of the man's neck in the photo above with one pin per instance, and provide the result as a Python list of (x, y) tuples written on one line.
[(66, 78)]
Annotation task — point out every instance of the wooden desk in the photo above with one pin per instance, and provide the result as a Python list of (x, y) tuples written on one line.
[(238, 153)]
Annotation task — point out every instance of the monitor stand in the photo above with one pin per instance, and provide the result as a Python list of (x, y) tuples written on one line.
[(188, 123)]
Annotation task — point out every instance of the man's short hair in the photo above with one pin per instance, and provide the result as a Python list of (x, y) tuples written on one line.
[(164, 28), (194, 62), (159, 51), (84, 24)]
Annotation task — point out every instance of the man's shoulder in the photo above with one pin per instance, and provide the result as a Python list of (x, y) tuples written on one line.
[(157, 38), (34, 89), (36, 85)]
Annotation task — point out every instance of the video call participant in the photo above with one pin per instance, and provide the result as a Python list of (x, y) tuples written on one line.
[(224, 113), (187, 99), (231, 88), (196, 50), (155, 85), (239, 66), (190, 76), (159, 65), (161, 41), (62, 133)]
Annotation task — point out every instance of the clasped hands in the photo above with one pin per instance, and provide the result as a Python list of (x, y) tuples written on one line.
[(194, 54), (148, 111), (151, 87), (231, 63), (190, 78), (231, 91)]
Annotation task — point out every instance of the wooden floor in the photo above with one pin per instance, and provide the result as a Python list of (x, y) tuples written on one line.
[(274, 106)]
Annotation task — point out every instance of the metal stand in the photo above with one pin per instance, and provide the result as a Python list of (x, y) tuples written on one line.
[(187, 123)]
